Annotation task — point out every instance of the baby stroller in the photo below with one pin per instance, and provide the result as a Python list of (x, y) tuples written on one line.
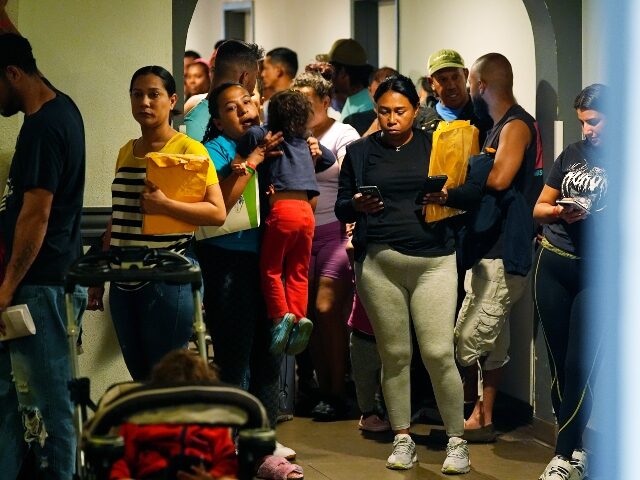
[(218, 405)]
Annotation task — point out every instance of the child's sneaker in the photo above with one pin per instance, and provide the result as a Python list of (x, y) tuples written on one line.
[(373, 423), (580, 464), (299, 337), (404, 453), (280, 334), (457, 460), (557, 469)]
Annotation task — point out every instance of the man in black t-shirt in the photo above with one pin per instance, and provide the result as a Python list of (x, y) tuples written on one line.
[(40, 222), (497, 280)]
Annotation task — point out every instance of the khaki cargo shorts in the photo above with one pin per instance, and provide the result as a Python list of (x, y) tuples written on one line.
[(482, 328)]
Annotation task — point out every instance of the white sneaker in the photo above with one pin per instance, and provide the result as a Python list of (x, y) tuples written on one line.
[(404, 453), (557, 469), (285, 452), (580, 465), (457, 460)]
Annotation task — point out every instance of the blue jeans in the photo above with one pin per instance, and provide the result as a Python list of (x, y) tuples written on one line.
[(150, 322), (35, 404)]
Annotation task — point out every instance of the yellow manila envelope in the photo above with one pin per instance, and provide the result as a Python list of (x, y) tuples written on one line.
[(181, 177), (452, 145)]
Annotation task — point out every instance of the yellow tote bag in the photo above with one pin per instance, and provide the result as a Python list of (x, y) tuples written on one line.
[(453, 143), (181, 177)]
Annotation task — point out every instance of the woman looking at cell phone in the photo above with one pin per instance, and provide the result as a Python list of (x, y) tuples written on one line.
[(561, 288), (405, 269)]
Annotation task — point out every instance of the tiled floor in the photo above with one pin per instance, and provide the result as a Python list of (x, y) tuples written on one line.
[(338, 451)]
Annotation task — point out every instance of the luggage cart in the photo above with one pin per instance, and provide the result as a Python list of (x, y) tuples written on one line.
[(141, 264)]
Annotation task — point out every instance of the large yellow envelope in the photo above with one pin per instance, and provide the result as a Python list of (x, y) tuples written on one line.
[(453, 143), (181, 177)]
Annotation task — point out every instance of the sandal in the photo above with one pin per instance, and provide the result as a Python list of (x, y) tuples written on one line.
[(486, 434), (278, 468)]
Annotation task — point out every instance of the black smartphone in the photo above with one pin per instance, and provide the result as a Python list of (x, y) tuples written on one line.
[(432, 184), (370, 190)]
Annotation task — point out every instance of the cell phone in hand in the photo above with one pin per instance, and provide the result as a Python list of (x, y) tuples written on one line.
[(370, 190), (574, 203), (432, 184)]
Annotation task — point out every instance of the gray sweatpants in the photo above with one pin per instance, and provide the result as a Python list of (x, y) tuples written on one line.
[(396, 289)]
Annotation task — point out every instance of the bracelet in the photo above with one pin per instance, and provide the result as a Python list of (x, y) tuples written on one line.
[(249, 169), (251, 165)]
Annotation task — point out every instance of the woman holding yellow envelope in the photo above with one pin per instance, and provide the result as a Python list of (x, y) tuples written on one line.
[(154, 318)]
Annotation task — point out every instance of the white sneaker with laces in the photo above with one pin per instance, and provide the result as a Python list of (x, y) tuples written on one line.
[(404, 453), (285, 452), (557, 469), (457, 460), (580, 465)]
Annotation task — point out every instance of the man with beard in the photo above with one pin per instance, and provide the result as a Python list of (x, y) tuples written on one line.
[(40, 222), (447, 76), (492, 286), (235, 61)]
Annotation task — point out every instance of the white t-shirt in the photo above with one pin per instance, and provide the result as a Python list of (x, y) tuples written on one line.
[(335, 139)]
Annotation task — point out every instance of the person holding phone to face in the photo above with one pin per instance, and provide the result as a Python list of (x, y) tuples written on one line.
[(405, 269), (561, 289)]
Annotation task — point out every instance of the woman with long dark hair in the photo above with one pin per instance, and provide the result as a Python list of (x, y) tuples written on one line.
[(574, 194)]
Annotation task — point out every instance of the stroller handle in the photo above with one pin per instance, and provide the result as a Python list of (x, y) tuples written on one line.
[(132, 264)]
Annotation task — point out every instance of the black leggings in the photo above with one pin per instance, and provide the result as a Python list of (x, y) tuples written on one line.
[(562, 299), (237, 320)]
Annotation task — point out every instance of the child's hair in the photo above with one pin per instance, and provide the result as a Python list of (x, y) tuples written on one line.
[(316, 82), (183, 366), (289, 113), (214, 111)]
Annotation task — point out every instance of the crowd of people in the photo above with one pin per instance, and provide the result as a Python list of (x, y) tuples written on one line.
[(344, 260)]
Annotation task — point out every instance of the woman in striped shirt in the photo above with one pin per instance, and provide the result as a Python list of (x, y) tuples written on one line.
[(154, 318)]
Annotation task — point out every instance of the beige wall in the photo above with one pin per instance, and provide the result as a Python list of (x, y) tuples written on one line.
[(307, 28), (89, 50), (205, 28), (593, 46), (387, 34), (473, 29)]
